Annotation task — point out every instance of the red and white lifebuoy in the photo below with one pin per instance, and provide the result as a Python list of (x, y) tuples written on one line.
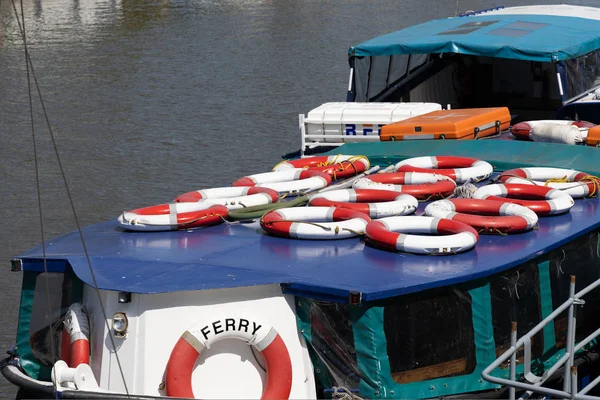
[(522, 130), (319, 161), (270, 195), (315, 222), (392, 233), (75, 346), (344, 169), (173, 216), (540, 199), (575, 183), (374, 203), (203, 335), (287, 181), (461, 169), (423, 186), (490, 216)]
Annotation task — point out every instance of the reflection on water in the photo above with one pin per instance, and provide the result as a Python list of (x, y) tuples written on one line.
[(150, 99)]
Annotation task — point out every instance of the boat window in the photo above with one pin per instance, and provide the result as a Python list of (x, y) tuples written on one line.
[(579, 258), (582, 74), (416, 349), (380, 69), (332, 339), (48, 309), (416, 60), (362, 66), (516, 297), (398, 68)]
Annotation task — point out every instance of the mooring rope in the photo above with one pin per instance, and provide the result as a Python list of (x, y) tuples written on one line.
[(29, 64)]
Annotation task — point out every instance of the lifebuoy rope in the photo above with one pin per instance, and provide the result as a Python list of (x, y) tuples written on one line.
[(327, 163), (341, 168)]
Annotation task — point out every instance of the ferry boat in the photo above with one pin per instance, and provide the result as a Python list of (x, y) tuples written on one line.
[(387, 267)]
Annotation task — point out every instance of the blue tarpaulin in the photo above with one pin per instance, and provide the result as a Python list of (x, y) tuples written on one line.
[(232, 255), (542, 38)]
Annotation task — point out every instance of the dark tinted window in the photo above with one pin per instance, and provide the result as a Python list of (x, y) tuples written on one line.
[(516, 297), (333, 341), (579, 258), (48, 310), (430, 335)]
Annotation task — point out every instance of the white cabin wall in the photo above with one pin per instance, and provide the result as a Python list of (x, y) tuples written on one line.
[(226, 370)]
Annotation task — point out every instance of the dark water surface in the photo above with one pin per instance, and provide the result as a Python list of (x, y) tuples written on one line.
[(151, 99)]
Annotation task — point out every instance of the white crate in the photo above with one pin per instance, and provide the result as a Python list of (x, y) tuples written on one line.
[(333, 124)]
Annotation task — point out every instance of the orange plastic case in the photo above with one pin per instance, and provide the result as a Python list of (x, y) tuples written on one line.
[(593, 137), (466, 123)]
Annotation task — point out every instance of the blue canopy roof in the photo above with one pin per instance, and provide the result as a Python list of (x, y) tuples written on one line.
[(543, 38), (232, 255)]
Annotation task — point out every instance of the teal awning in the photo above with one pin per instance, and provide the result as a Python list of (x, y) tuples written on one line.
[(543, 38)]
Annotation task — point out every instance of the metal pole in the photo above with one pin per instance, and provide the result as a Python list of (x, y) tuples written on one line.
[(573, 381), (302, 134), (513, 359), (570, 337)]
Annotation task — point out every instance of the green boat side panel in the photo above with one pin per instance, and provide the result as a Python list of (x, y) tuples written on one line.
[(502, 154)]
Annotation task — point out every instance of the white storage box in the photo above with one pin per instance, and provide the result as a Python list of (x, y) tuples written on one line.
[(338, 123)]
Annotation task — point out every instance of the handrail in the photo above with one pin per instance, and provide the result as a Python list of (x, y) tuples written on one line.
[(570, 375)]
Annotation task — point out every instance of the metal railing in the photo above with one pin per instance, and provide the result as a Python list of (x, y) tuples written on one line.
[(533, 383)]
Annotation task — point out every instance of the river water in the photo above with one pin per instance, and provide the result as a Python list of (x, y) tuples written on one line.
[(150, 99)]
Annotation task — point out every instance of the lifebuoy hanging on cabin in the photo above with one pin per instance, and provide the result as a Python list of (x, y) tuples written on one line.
[(201, 336), (575, 183), (315, 222), (287, 181), (270, 195), (75, 343), (319, 161), (374, 203), (173, 216), (490, 216), (522, 130), (393, 233), (540, 199), (423, 186), (460, 169)]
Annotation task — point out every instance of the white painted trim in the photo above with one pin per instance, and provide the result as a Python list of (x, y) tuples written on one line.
[(563, 10)]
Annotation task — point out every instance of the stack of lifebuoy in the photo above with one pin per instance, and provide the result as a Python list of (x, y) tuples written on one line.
[(378, 205)]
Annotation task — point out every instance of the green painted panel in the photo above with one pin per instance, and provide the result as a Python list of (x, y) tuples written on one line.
[(502, 154)]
